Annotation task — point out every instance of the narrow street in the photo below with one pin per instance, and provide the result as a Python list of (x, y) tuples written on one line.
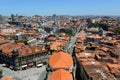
[(73, 40), (71, 46)]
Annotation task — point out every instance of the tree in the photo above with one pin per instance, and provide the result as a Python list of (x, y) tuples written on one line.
[(117, 31), (104, 26), (21, 41), (66, 31), (99, 25), (1, 73), (25, 42)]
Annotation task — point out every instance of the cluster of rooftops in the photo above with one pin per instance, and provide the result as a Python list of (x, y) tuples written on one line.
[(98, 57)]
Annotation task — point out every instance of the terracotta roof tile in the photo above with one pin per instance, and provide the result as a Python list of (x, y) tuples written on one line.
[(61, 59), (57, 45), (6, 78), (4, 41), (23, 49), (61, 74)]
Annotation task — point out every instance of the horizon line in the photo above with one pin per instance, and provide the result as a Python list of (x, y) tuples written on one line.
[(63, 14)]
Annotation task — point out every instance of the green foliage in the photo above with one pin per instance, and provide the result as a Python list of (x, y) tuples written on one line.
[(117, 31), (21, 41), (87, 48), (100, 25), (16, 41), (1, 72), (66, 31), (25, 42)]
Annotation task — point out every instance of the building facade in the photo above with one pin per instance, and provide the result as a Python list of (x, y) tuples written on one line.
[(22, 56)]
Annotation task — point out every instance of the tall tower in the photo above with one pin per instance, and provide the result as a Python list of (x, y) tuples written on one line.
[(0, 18), (54, 17), (13, 17)]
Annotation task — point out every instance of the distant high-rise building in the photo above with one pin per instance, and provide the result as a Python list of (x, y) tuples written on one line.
[(13, 17), (0, 18), (53, 17)]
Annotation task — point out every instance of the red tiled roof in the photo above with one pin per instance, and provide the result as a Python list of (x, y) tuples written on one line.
[(6, 78), (3, 41), (57, 45), (61, 59), (22, 49), (61, 74)]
